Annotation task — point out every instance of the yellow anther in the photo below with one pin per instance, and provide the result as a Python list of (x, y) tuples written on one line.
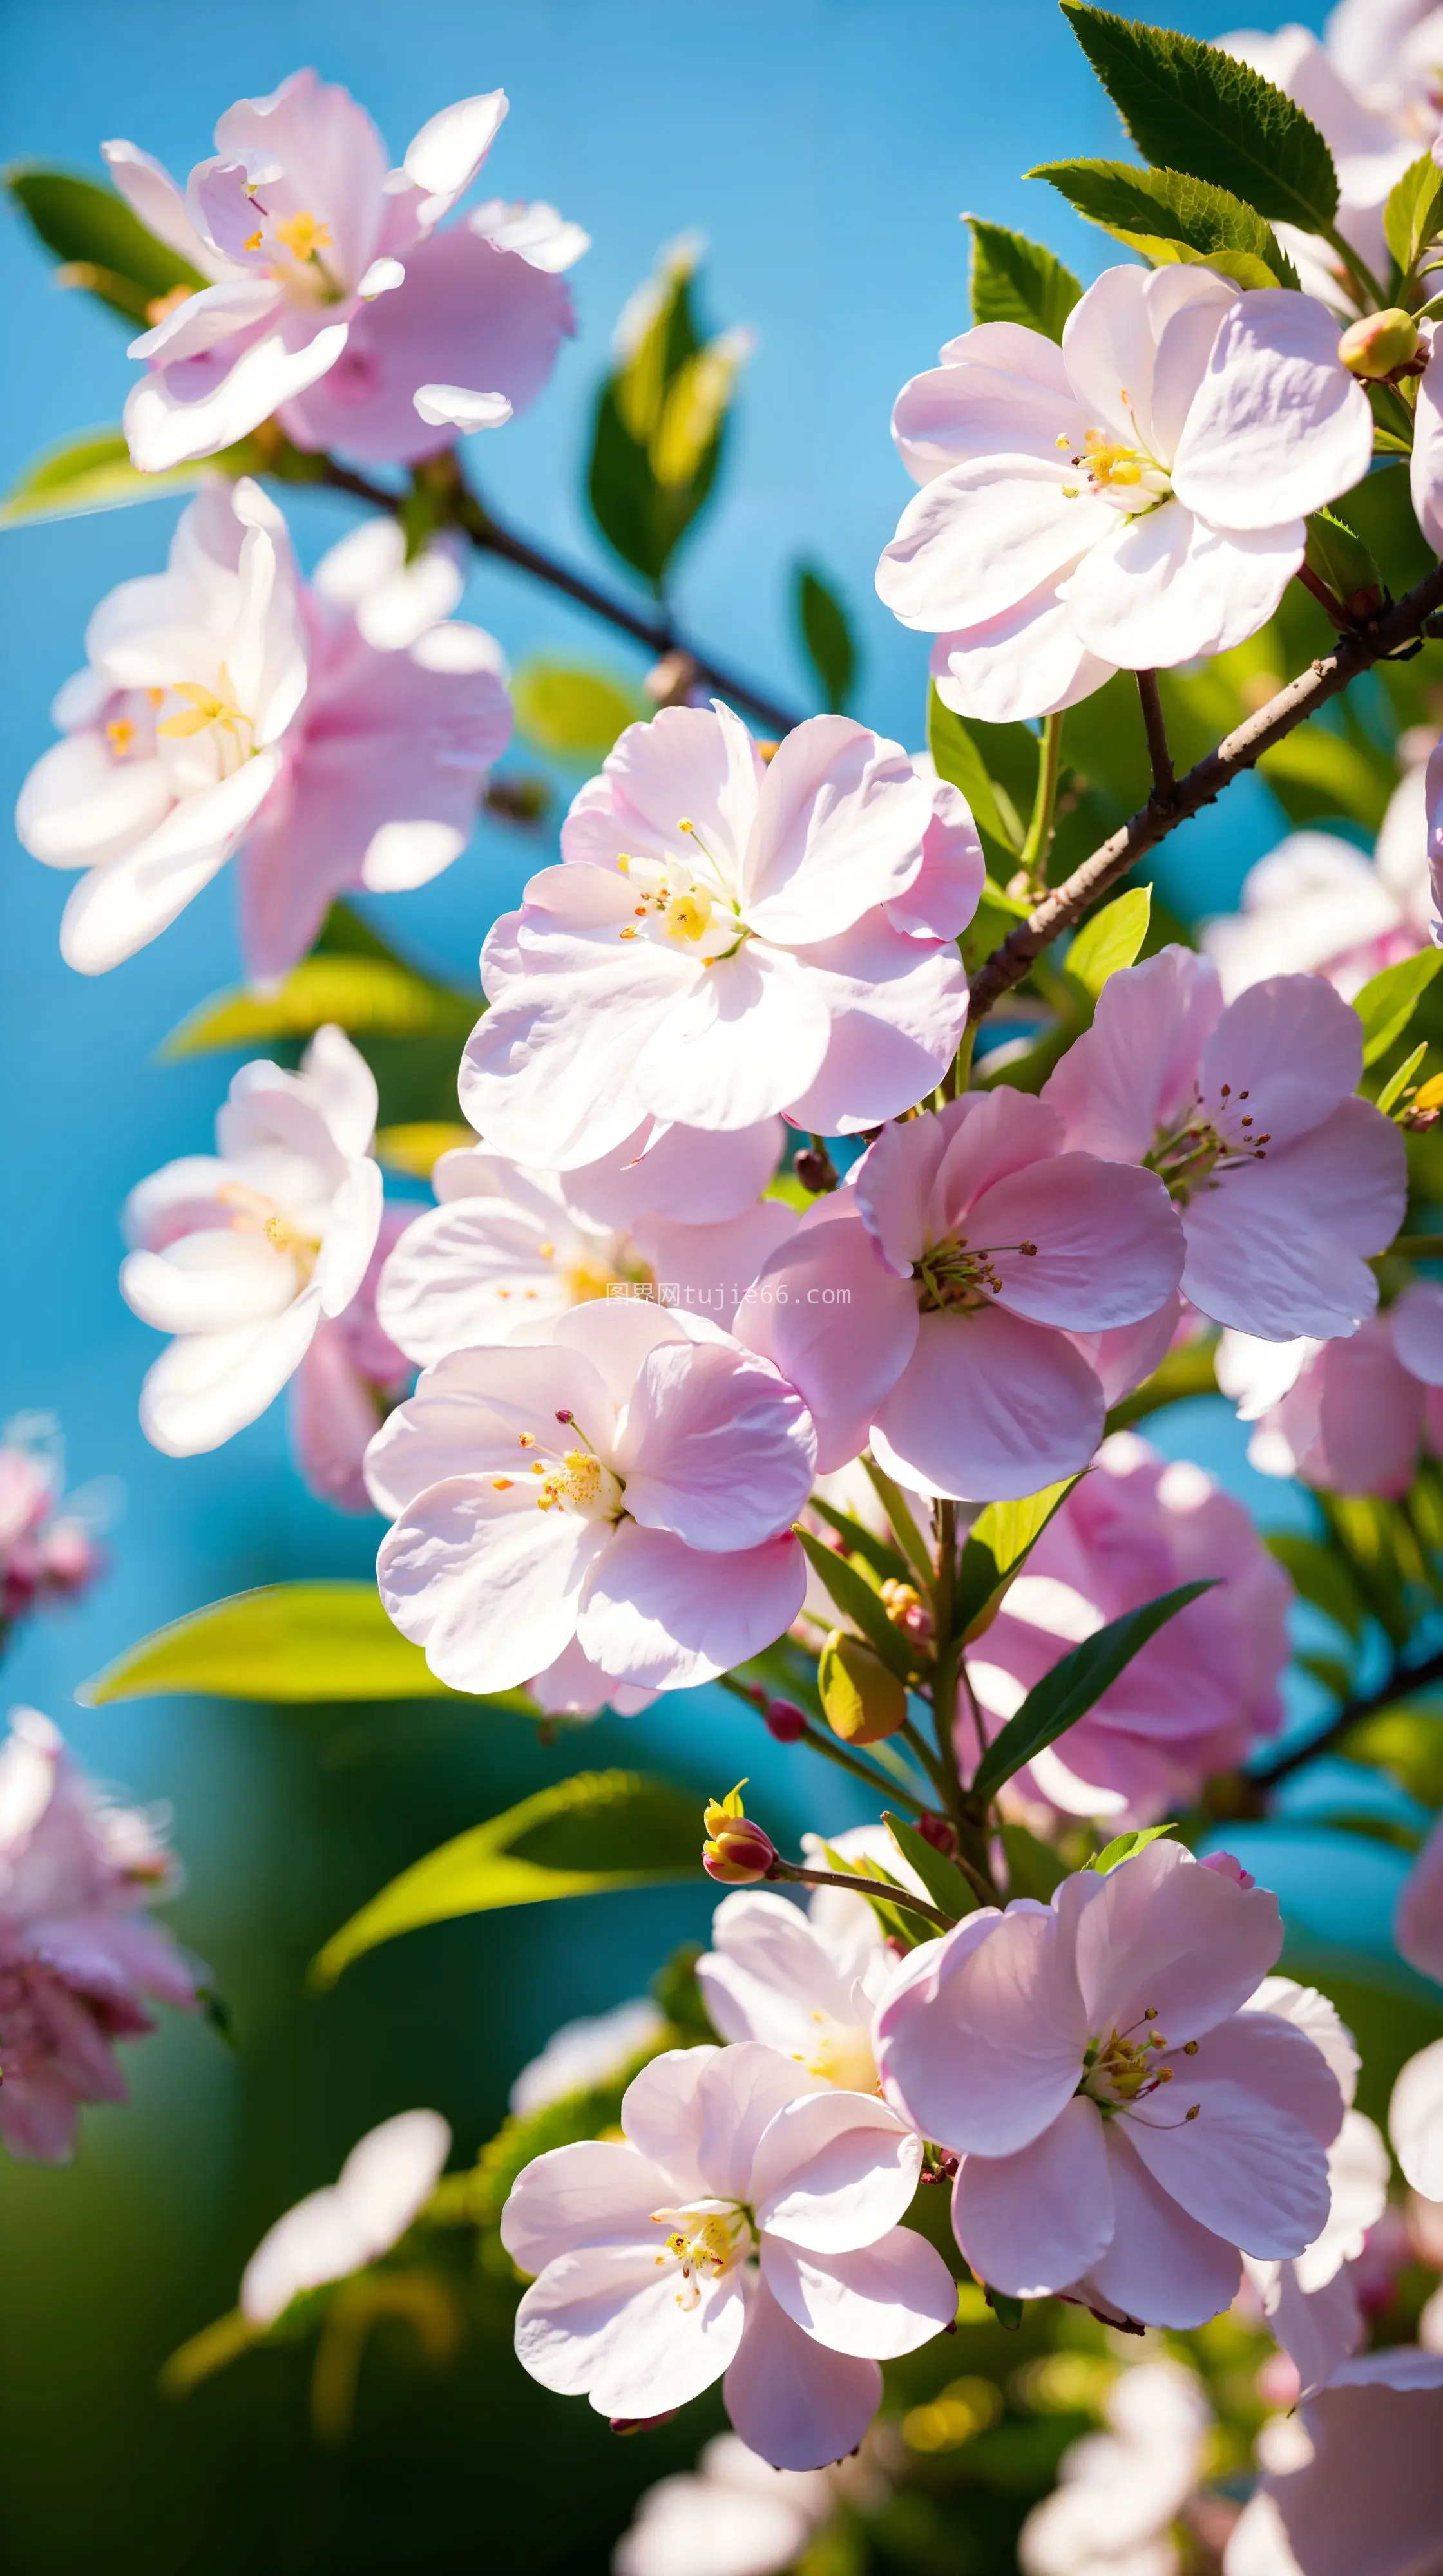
[(503, 1484), (156, 697), (252, 242), (547, 1251), (1062, 439), (526, 1439), (687, 916), (1189, 2048), (120, 734), (203, 707), (628, 933), (302, 235), (624, 863)]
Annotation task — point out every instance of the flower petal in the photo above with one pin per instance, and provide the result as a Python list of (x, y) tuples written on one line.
[(1035, 2221), (986, 2051), (605, 2323), (792, 2401), (663, 1615), (1415, 2121), (834, 2171), (981, 538), (1166, 587), (485, 1582), (740, 1043), (207, 1386), (596, 2192), (715, 1447), (1164, 1935), (990, 1408), (839, 829), (1278, 427), (876, 2301), (1163, 2266)]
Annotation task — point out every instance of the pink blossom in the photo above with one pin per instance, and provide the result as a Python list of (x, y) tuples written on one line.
[(1366, 2499), (47, 1551), (350, 1377), (807, 1985), (1126, 2128), (733, 2515), (1284, 1181), (382, 2187), (1317, 906), (1415, 2121), (243, 1254), (1132, 499), (1206, 1687), (718, 946), (929, 1308), (1418, 1917), (511, 1248), (745, 2229), (1370, 89), (575, 1687), (338, 739), (583, 2055), (628, 1483), (330, 298), (1119, 2492), (79, 1962), (1351, 1416)]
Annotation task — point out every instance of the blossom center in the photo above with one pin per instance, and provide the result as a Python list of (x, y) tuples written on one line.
[(578, 1482), (842, 2055), (1194, 1154), (704, 2243), (685, 903), (213, 712), (1130, 476), (1129, 2066), (251, 1212), (301, 238), (957, 1277)]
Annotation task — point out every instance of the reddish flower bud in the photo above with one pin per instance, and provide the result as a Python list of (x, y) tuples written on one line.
[(783, 1719), (737, 1851), (937, 1831)]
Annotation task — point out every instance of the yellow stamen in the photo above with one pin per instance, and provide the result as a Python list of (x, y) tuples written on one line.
[(120, 734), (302, 235), (527, 1439), (502, 1484), (252, 241)]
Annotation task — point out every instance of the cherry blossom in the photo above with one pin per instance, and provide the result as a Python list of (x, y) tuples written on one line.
[(1311, 2303), (1366, 88), (1118, 2492), (1284, 1181), (339, 738), (584, 2054), (1203, 1690), (242, 1254), (1350, 1416), (1135, 498), (1368, 2494), (328, 296), (80, 1964), (510, 1248), (383, 2185), (746, 2229), (628, 1483), (928, 1308), (571, 1685), (1418, 1915), (1415, 2121), (805, 1987), (720, 944), (350, 1377), (1126, 2129), (733, 2515), (1315, 905), (48, 1546), (385, 766)]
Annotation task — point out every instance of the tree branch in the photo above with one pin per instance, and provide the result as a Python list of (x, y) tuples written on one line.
[(1164, 779), (1403, 1679), (1065, 906), (653, 629)]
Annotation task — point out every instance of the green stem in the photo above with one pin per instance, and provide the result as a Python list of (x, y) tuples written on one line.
[(790, 1869), (1419, 1247), (922, 1753), (1371, 298), (817, 1741), (955, 1080), (904, 1529), (1032, 860)]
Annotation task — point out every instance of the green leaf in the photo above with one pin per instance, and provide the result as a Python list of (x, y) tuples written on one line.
[(1017, 280), (941, 1877), (1336, 556), (1191, 107), (1033, 1867), (860, 1541), (1387, 1002), (1123, 1846), (958, 759), (293, 1642), (1077, 1680), (571, 713), (1007, 2310), (660, 421), (996, 1549), (1170, 216), (1412, 214), (376, 994), (897, 1921), (859, 1604), (1111, 939), (904, 1528), (1397, 1083), (1319, 1575), (91, 472), (598, 1831), (826, 636), (1408, 1743), (91, 228)]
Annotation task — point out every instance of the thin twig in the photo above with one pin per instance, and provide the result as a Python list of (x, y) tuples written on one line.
[(883, 1887), (1065, 906), (653, 629), (1403, 1679), (1164, 777), (815, 1741)]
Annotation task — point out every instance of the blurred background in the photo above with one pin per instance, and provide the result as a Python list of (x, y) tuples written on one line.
[(824, 149)]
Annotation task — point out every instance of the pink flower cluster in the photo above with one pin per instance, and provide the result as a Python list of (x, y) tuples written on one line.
[(80, 1964), (48, 1547)]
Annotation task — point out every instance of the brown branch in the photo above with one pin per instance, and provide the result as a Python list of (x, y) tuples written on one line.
[(1164, 779), (652, 628), (1064, 907), (1402, 1681)]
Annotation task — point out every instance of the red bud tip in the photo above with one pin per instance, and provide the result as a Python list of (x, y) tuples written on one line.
[(565, 1416), (939, 1833), (783, 1719), (1224, 1866)]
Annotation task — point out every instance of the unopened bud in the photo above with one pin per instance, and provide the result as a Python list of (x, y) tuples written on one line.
[(783, 1719), (736, 1851), (862, 1699), (1223, 1865), (1379, 344), (939, 1832), (815, 1169), (906, 1608)]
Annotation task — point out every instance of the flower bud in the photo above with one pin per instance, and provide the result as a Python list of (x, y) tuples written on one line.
[(736, 1851), (1375, 346), (783, 1719), (939, 1832), (862, 1700)]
